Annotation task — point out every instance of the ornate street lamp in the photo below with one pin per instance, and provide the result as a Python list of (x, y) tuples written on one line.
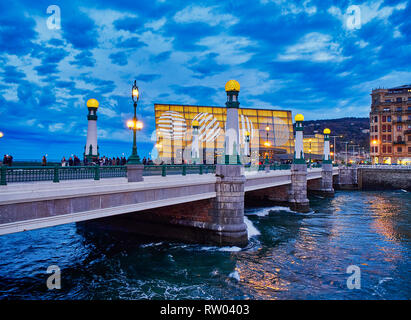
[(134, 125), (1, 134)]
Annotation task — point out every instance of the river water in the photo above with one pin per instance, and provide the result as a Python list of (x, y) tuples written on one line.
[(289, 256)]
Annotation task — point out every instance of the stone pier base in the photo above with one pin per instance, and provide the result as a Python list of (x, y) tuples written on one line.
[(327, 189), (323, 186), (347, 178), (228, 213), (135, 172), (298, 190), (216, 221)]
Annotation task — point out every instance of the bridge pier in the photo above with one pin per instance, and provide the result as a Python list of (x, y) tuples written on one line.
[(228, 213), (297, 199), (327, 189)]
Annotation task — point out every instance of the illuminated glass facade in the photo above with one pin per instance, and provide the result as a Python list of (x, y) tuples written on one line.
[(175, 132), (315, 145)]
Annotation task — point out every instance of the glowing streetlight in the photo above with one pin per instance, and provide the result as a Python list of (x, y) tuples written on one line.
[(134, 125)]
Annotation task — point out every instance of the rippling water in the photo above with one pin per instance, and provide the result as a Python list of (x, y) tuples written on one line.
[(289, 256)]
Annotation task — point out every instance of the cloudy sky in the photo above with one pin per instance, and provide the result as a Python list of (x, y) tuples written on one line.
[(305, 56)]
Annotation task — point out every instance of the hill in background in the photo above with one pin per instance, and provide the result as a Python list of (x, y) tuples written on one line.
[(353, 130)]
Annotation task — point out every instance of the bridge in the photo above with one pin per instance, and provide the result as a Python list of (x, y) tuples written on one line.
[(206, 201)]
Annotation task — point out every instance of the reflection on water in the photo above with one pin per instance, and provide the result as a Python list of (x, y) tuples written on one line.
[(289, 256)]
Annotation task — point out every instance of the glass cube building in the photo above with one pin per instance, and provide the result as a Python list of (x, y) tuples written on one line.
[(270, 133)]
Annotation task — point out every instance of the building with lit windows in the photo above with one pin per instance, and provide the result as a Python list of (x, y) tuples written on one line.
[(314, 146), (195, 134), (390, 125)]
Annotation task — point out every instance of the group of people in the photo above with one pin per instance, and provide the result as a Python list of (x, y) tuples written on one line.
[(7, 160), (104, 161), (147, 161), (72, 161)]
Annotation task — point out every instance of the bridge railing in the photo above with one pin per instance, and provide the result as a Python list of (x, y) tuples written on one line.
[(384, 166), (59, 173), (182, 169)]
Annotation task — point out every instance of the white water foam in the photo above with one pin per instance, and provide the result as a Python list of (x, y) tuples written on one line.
[(154, 244), (230, 249), (235, 275), (251, 230), (266, 211)]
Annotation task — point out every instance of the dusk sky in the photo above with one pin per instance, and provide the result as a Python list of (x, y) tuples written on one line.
[(302, 56)]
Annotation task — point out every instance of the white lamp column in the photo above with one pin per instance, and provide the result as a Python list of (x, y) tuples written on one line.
[(91, 148), (195, 150), (299, 144), (232, 88)]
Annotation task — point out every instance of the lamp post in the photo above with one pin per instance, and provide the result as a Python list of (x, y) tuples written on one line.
[(134, 125), (353, 150), (247, 144), (346, 152), (309, 151), (335, 145)]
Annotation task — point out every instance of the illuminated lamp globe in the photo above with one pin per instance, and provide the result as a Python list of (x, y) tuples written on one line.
[(130, 124), (139, 125), (195, 123), (92, 103), (299, 117), (327, 131), (232, 85)]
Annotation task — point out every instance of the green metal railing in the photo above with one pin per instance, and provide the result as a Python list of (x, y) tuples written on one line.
[(316, 165), (166, 169), (58, 173), (261, 167)]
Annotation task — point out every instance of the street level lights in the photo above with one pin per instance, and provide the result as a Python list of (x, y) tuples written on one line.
[(134, 125)]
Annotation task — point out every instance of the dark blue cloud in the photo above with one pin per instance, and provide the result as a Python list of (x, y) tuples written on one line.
[(84, 59), (46, 69), (148, 77), (200, 94), (206, 65), (16, 31), (119, 58), (128, 24), (79, 29), (161, 57), (132, 43), (11, 74)]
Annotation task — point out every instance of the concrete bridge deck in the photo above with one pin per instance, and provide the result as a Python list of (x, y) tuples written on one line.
[(26, 206)]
